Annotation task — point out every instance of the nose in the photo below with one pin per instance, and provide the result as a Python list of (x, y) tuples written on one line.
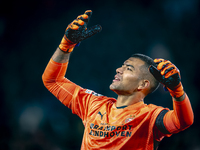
[(119, 70)]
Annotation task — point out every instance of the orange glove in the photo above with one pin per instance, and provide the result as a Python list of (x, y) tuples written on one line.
[(77, 31), (169, 75)]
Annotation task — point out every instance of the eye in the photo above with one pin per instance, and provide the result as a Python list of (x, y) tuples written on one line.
[(128, 68)]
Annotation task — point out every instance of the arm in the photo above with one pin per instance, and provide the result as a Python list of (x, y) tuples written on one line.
[(181, 117), (74, 34), (60, 56), (53, 76)]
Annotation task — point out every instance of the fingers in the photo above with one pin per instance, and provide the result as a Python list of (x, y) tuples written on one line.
[(166, 68), (78, 31), (88, 12), (86, 16), (76, 24), (163, 64), (80, 20), (82, 17), (158, 60), (170, 72), (92, 31)]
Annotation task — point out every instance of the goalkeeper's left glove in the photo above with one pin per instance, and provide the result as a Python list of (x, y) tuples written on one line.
[(77, 31), (169, 75)]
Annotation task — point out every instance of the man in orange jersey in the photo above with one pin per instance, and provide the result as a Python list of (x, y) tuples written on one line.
[(125, 123)]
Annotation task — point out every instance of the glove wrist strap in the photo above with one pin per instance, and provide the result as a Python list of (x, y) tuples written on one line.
[(177, 91), (66, 45)]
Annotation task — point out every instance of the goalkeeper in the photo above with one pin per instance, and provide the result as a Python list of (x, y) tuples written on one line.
[(126, 122)]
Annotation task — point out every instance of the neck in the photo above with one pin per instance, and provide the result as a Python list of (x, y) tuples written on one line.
[(126, 100)]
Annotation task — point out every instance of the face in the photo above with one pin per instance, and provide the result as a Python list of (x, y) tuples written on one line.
[(127, 79)]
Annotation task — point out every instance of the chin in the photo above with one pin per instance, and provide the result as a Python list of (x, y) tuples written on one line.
[(113, 88)]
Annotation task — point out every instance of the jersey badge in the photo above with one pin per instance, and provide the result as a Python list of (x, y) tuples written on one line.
[(130, 118)]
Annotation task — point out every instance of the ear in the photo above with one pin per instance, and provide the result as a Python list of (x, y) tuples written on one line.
[(144, 85)]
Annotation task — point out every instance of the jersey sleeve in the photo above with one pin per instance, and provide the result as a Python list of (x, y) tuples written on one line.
[(71, 95), (181, 117), (174, 121), (159, 129)]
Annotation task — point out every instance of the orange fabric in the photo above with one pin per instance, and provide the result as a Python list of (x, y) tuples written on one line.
[(106, 127), (181, 118)]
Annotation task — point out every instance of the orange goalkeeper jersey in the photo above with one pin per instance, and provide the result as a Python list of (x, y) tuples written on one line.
[(106, 126)]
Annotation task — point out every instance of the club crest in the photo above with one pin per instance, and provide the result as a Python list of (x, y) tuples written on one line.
[(130, 118)]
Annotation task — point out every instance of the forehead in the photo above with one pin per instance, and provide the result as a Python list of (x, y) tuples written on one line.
[(135, 62)]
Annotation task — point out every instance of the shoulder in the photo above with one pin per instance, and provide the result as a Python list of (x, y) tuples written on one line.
[(97, 95), (154, 107), (99, 99), (155, 110)]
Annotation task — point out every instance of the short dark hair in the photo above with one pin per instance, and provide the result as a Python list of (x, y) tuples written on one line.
[(154, 84)]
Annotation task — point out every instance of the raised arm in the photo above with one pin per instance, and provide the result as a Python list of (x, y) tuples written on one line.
[(54, 74), (181, 117)]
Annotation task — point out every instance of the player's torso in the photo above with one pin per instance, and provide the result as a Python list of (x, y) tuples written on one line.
[(110, 127)]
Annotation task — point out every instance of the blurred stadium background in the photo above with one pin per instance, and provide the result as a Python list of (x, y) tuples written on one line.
[(30, 31)]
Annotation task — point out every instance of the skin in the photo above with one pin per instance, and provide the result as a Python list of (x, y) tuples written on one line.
[(128, 85)]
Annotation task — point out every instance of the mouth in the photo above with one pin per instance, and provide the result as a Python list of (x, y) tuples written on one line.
[(117, 78)]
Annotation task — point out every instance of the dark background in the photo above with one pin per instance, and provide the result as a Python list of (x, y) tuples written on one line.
[(30, 31)]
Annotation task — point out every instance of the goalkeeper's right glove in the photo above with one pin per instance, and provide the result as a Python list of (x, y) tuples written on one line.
[(77, 31)]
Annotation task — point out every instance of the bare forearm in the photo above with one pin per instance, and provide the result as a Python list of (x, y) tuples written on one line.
[(60, 56)]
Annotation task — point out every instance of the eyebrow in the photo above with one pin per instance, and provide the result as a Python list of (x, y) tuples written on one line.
[(128, 65)]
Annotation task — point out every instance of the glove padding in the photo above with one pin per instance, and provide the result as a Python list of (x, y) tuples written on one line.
[(77, 31), (169, 75)]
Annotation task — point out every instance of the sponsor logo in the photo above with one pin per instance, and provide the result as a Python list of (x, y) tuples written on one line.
[(101, 114), (110, 131)]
